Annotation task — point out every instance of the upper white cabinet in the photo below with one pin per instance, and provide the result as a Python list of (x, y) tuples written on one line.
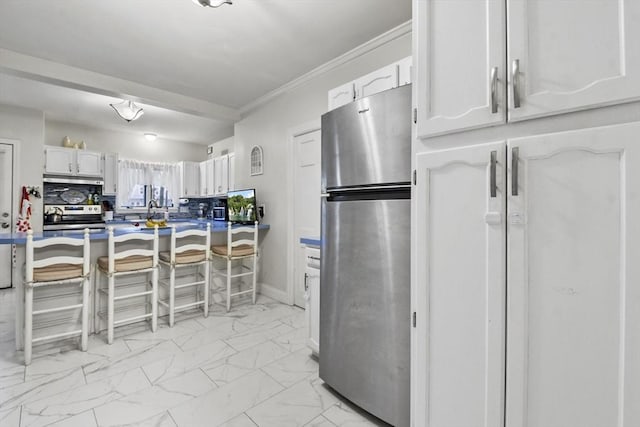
[(189, 179), (341, 95), (554, 61), (71, 161), (207, 185), (378, 81), (393, 75), (221, 175), (232, 171), (110, 168), (541, 323)]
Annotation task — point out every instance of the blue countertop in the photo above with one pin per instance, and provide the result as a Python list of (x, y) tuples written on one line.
[(310, 241), (216, 227)]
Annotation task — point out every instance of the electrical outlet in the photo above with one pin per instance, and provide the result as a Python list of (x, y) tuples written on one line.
[(261, 211)]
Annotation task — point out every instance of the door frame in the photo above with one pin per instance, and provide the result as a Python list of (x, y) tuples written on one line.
[(15, 144), (292, 133)]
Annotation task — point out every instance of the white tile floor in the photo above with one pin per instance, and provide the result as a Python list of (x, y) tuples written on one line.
[(249, 367)]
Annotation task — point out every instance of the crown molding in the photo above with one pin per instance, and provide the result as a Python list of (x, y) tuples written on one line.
[(354, 53)]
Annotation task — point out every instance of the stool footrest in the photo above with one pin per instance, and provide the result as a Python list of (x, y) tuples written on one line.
[(186, 285), (54, 310), (241, 293), (132, 319), (192, 304), (55, 336), (138, 294)]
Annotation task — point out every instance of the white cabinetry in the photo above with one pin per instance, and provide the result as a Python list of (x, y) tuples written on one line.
[(341, 95), (71, 161), (207, 185), (378, 81), (232, 171), (405, 71), (189, 179), (110, 168), (555, 61), (559, 214), (312, 297), (221, 175)]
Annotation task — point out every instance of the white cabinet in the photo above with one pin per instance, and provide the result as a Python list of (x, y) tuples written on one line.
[(189, 179), (110, 168), (312, 298), (71, 161), (559, 215), (383, 79), (232, 171), (207, 185), (405, 71), (341, 95), (221, 175), (556, 63)]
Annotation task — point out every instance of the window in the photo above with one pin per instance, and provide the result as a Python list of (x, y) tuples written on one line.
[(141, 182), (256, 160)]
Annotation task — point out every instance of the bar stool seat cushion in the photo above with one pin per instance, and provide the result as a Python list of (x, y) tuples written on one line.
[(131, 263), (186, 257), (55, 272), (238, 251)]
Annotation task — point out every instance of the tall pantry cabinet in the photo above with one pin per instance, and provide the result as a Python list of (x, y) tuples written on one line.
[(547, 230), (525, 279)]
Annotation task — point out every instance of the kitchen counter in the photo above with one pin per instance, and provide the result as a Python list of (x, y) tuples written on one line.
[(311, 241), (120, 228)]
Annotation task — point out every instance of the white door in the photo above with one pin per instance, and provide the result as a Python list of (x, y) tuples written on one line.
[(89, 163), (60, 161), (572, 54), (574, 279), (6, 211), (306, 218), (383, 79), (110, 168), (341, 95), (232, 171), (459, 293), (460, 58)]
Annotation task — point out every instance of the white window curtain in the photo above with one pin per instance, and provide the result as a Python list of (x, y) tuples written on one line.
[(137, 181)]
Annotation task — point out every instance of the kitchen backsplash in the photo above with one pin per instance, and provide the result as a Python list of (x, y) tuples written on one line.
[(191, 210)]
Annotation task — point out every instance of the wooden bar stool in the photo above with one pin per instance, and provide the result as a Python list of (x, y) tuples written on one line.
[(242, 245), (182, 256), (52, 271), (126, 262)]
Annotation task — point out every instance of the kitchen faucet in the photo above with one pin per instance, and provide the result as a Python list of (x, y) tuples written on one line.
[(153, 203)]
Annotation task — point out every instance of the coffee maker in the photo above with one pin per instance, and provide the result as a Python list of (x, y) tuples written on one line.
[(202, 210)]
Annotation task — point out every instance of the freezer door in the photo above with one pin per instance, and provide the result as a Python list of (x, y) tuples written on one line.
[(365, 304), (368, 141)]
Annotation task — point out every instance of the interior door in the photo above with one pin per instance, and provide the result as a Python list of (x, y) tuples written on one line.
[(459, 291), (572, 54), (306, 216), (573, 338), (460, 61), (6, 211)]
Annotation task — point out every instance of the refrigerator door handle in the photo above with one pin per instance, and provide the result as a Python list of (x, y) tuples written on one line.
[(369, 188)]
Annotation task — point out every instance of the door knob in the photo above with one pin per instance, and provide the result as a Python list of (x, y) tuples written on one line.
[(5, 225)]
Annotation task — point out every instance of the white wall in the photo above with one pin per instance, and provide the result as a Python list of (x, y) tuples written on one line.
[(269, 126), (26, 126), (127, 145), (224, 144)]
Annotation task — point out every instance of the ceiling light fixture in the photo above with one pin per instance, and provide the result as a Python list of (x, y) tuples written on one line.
[(150, 136), (128, 110), (212, 3)]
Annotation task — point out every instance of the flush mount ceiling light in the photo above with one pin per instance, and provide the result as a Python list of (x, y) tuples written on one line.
[(150, 136), (212, 3), (128, 110)]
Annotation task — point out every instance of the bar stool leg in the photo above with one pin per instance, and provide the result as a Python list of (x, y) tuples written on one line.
[(85, 314), (172, 295), (28, 323), (154, 299), (255, 263), (110, 308), (206, 288), (96, 302), (228, 284)]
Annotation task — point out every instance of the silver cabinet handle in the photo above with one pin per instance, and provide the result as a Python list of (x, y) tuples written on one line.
[(514, 171), (515, 77), (493, 186), (70, 167), (306, 281), (494, 89)]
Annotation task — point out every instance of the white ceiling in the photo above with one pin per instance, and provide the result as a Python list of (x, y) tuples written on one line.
[(225, 57)]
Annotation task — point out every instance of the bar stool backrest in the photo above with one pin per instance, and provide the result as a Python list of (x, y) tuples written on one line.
[(31, 246), (194, 232), (234, 241), (151, 239)]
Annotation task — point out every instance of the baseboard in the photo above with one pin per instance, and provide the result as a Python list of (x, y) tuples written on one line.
[(272, 292)]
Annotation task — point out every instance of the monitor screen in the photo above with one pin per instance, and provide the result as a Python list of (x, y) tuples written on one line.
[(241, 206)]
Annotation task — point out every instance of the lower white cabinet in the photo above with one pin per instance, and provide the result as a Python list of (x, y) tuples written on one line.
[(312, 297), (526, 294)]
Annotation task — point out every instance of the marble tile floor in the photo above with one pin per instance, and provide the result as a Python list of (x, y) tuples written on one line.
[(246, 368)]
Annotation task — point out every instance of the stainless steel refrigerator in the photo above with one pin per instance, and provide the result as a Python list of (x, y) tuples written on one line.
[(364, 277)]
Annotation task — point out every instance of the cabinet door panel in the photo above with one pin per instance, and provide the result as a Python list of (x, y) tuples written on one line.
[(573, 290), (573, 54), (383, 79), (341, 95), (61, 161), (110, 168), (89, 163), (459, 296), (458, 45)]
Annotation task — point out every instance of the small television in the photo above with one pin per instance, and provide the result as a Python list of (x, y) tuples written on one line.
[(241, 206)]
